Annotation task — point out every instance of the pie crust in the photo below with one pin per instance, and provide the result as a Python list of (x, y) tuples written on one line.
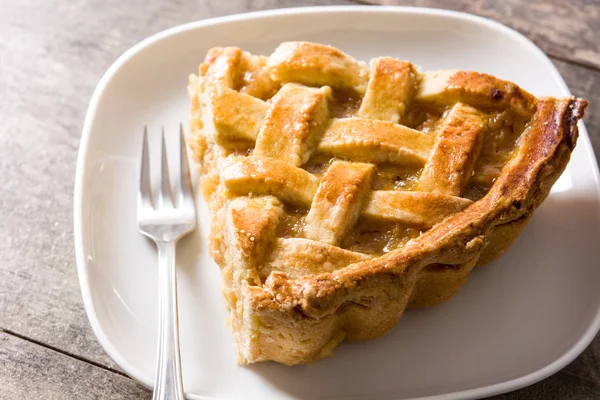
[(342, 193)]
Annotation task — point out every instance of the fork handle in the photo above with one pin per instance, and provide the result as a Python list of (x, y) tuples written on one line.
[(169, 382)]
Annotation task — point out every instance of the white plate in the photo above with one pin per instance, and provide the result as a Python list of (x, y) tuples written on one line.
[(515, 322)]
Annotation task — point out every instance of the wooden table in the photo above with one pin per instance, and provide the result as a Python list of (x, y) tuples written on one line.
[(52, 54)]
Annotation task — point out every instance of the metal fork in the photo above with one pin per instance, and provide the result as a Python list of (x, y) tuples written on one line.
[(165, 222)]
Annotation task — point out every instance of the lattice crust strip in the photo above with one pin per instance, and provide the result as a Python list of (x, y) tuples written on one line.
[(457, 147), (293, 124), (297, 146), (390, 90), (375, 141)]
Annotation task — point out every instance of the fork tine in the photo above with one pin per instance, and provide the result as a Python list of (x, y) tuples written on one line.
[(186, 193), (145, 194), (165, 197)]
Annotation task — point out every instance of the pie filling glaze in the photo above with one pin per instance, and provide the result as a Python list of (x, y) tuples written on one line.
[(342, 193)]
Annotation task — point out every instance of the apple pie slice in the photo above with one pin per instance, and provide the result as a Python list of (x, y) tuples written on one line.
[(342, 193)]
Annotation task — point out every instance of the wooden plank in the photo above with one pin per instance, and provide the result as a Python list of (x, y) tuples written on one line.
[(29, 371), (53, 53), (579, 380), (564, 29)]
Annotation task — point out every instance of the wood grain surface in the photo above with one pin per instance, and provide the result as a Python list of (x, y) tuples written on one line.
[(29, 371), (563, 29), (52, 54)]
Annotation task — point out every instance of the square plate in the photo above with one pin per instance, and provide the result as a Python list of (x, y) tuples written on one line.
[(515, 322)]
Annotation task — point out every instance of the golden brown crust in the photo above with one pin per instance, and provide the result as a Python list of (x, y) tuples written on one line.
[(475, 88), (251, 226), (543, 155), (390, 89), (294, 293), (316, 65), (338, 200), (453, 157), (293, 125), (420, 209), (268, 176), (375, 141)]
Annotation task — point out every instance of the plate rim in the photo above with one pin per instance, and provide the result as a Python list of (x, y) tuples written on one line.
[(489, 390)]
